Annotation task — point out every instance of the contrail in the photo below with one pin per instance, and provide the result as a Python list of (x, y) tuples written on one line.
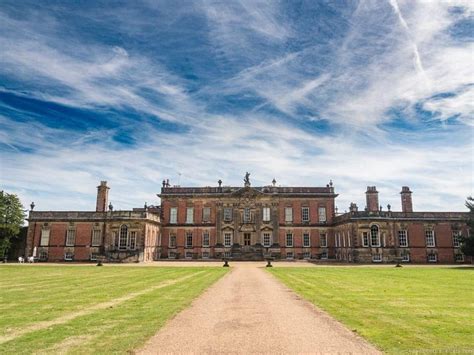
[(418, 65)]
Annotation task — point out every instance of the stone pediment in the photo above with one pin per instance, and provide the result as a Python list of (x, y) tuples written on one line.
[(247, 228), (247, 192)]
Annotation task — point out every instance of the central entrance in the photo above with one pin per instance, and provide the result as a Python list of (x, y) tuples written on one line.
[(247, 239)]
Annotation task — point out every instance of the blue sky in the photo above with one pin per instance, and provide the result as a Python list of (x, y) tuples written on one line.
[(363, 93)]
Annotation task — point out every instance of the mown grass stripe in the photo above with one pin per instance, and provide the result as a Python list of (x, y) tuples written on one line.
[(119, 329), (71, 299), (68, 317), (409, 309)]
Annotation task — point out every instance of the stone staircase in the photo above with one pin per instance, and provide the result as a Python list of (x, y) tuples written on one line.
[(247, 253)]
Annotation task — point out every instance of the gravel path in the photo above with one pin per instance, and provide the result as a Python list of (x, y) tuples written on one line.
[(247, 312)]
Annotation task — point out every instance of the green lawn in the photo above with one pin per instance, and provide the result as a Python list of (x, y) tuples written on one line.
[(398, 309), (110, 309)]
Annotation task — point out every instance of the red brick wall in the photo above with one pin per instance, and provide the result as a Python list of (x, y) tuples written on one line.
[(198, 212), (57, 235), (443, 235), (84, 234), (313, 211)]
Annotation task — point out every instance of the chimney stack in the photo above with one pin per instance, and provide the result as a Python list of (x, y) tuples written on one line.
[(372, 198), (407, 205), (102, 197)]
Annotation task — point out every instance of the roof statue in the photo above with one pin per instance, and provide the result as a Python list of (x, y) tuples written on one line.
[(247, 179)]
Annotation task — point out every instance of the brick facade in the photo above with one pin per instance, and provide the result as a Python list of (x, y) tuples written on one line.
[(248, 223)]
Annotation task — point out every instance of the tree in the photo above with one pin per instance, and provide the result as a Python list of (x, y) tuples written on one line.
[(12, 217), (467, 246)]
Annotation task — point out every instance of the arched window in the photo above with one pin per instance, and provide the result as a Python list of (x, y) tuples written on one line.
[(374, 236), (123, 237)]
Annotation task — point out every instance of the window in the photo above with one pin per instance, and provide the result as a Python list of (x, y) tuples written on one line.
[(68, 256), (456, 239), (190, 215), (365, 239), (227, 239), (172, 241), (123, 237), (43, 255), (188, 255), (133, 240), (430, 239), (206, 214), (205, 239), (289, 255), (172, 255), (173, 215), (306, 255), (96, 237), (267, 239), (93, 257), (205, 255), (306, 240), (322, 214), (189, 239), (289, 239), (70, 237), (324, 240), (374, 236), (266, 214), (432, 258), (324, 255), (406, 258), (459, 257), (44, 237), (227, 254), (288, 214), (305, 214), (227, 214), (377, 258), (246, 215), (402, 238)]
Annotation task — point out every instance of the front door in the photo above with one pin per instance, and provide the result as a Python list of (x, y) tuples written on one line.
[(247, 239)]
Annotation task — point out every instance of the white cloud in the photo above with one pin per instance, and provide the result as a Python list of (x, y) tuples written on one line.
[(351, 83)]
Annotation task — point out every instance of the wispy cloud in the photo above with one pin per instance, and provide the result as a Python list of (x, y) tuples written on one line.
[(375, 93)]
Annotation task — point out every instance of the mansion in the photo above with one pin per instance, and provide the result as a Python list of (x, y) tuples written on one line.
[(248, 223)]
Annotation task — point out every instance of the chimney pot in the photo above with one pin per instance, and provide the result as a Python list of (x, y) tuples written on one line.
[(102, 197), (407, 204), (372, 198)]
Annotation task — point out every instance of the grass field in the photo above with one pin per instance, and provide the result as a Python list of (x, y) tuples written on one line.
[(397, 309), (88, 309)]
